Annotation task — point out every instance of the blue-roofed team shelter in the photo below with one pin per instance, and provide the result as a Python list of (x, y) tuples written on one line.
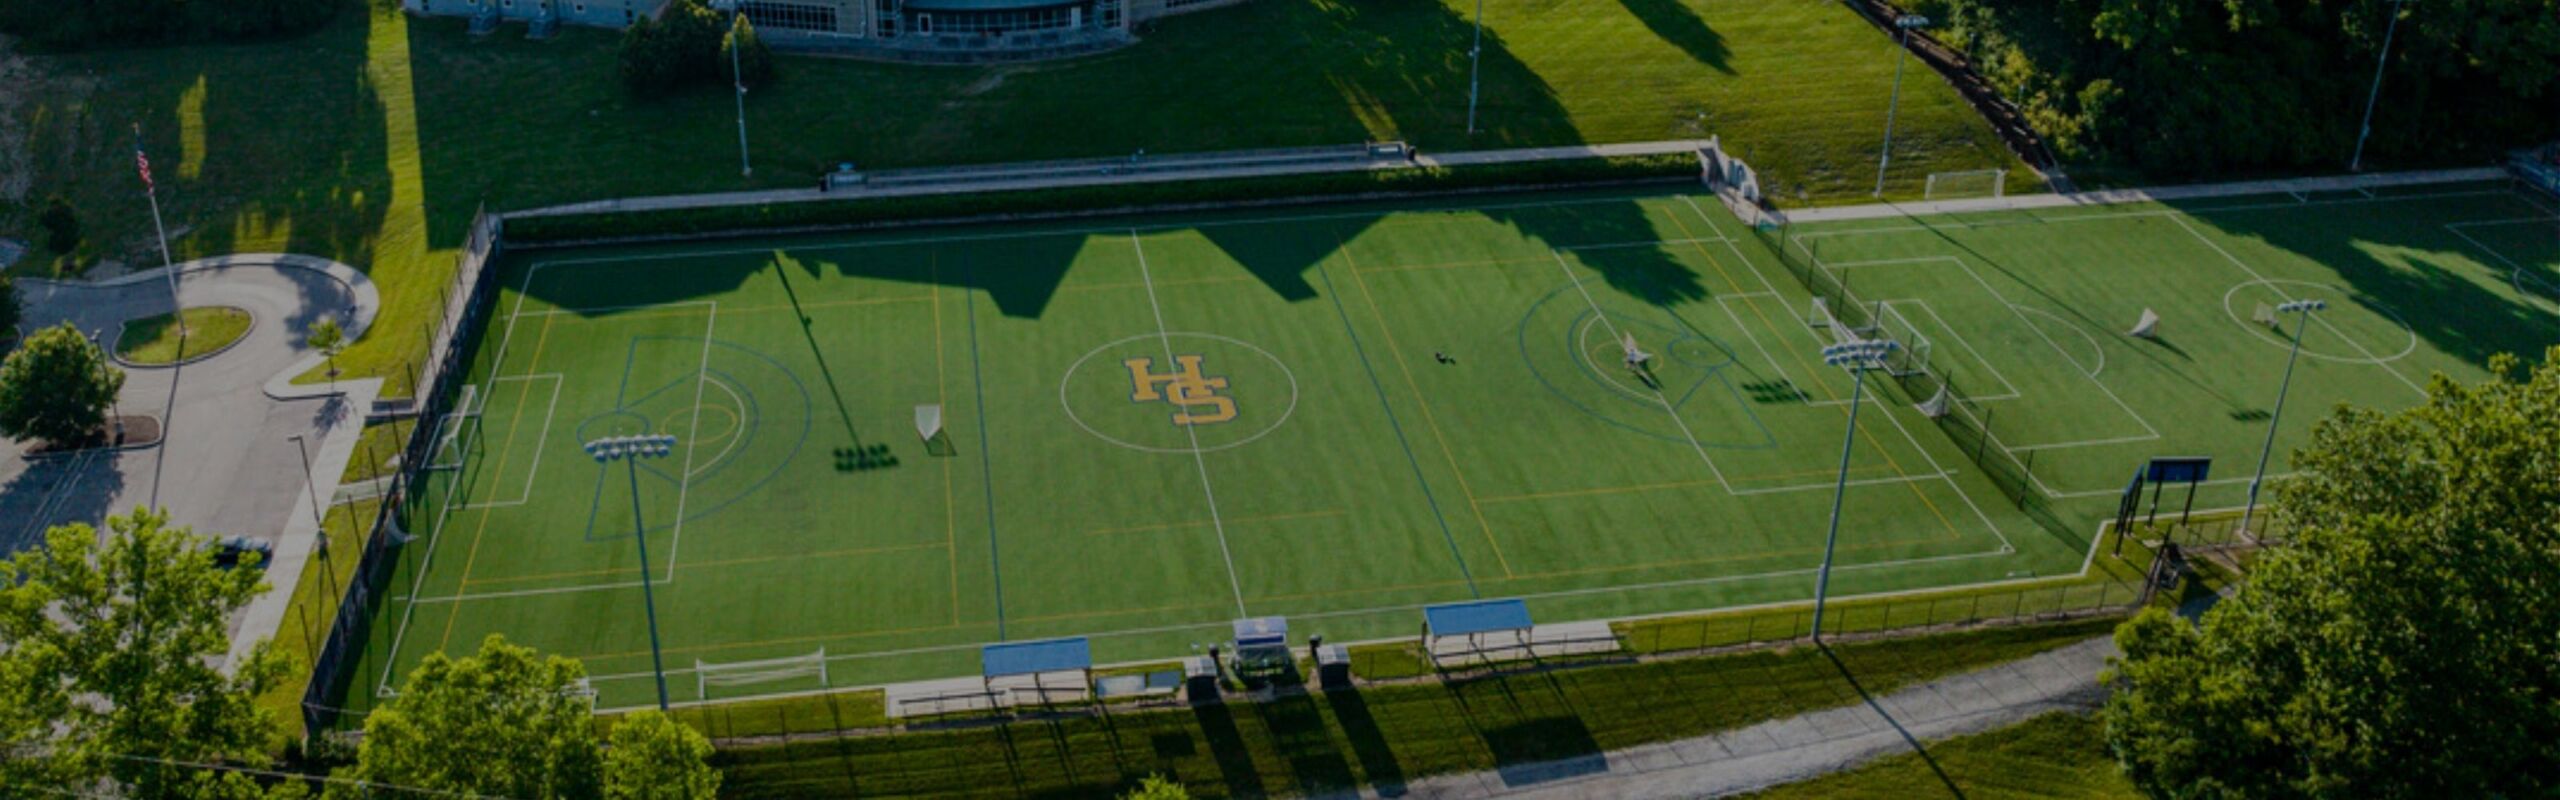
[(1472, 618), (1033, 658)]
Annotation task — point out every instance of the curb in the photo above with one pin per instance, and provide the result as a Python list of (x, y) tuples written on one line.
[(120, 361)]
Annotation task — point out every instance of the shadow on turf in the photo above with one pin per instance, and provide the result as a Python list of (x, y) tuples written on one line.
[(1680, 25)]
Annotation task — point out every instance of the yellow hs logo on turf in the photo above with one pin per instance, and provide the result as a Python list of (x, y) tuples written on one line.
[(1185, 387)]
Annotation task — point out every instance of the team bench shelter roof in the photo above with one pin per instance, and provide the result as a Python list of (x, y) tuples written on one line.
[(1033, 658), (1481, 616)]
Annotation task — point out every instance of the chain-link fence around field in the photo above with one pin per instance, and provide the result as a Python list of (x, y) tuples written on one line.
[(462, 309), (2111, 595)]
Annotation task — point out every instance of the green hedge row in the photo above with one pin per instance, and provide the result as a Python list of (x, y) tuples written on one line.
[(607, 226)]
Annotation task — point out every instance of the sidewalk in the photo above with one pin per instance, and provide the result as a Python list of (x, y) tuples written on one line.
[(807, 195), (1804, 746)]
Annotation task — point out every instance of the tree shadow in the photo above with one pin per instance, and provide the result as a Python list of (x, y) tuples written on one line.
[(1680, 25), (56, 491)]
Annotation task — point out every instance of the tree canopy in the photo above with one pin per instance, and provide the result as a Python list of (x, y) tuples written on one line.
[(2403, 645), (57, 386), (96, 22), (509, 722), (2184, 87), (109, 666)]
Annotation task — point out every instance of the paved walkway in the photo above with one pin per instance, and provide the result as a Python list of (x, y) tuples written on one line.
[(229, 463), (1804, 746), (1469, 158)]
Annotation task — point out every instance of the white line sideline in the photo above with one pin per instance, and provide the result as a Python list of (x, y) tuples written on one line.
[(1198, 458)]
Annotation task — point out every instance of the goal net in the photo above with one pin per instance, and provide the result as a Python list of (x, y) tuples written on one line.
[(448, 450), (1967, 184), (708, 675)]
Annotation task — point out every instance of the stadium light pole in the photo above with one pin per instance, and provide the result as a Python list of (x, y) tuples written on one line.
[(629, 450), (2356, 164), (1903, 26), (1857, 357), (1475, 69), (2304, 307)]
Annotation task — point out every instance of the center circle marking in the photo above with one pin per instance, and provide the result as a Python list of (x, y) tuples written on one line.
[(1067, 403)]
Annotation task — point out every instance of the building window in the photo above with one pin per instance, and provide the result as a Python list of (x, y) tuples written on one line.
[(790, 16)]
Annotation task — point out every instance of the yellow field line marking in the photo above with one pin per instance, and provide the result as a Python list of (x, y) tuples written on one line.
[(690, 310), (1202, 523), (692, 565), (515, 425), (1428, 418), (942, 396), (1756, 311)]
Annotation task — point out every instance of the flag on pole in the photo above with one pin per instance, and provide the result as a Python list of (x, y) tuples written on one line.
[(141, 161)]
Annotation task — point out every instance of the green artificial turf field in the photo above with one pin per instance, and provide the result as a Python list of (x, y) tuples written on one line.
[(1155, 426)]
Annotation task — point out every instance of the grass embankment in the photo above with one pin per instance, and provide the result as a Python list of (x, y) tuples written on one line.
[(315, 607), (373, 140), (2055, 755), (1379, 735), (155, 340)]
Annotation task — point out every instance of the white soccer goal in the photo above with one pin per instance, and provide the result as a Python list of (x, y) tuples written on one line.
[(1968, 183), (747, 673), (448, 450)]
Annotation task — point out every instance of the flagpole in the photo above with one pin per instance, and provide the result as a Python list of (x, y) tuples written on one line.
[(177, 310)]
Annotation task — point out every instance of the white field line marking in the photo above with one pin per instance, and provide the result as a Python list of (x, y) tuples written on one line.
[(1968, 349), (1674, 584), (1198, 459), (456, 598), (736, 435), (550, 411), (2485, 248), (1829, 485), (1724, 302), (2483, 223), (2288, 296), (593, 310), (684, 477), (1091, 231), (1949, 477), (1729, 244), (2057, 346), (1658, 396), (2024, 217), (435, 533)]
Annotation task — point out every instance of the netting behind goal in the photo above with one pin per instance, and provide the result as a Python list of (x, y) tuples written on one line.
[(1931, 390), (708, 676), (1969, 183)]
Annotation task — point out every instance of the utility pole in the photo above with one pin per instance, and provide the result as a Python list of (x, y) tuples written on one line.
[(1857, 358), (2305, 308), (2356, 164), (629, 450)]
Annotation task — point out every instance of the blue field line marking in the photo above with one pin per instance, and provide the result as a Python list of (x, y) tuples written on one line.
[(750, 422), (1768, 439), (1409, 458), (986, 461)]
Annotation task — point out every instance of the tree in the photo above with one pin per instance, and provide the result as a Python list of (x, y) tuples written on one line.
[(108, 663), (1158, 787), (57, 387), (741, 47), (504, 722), (653, 757), (2402, 645), (326, 337), (683, 47), (10, 312), (61, 225)]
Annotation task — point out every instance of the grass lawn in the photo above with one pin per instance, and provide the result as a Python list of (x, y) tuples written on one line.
[(315, 607), (1380, 736), (373, 140), (2055, 755), (155, 339)]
